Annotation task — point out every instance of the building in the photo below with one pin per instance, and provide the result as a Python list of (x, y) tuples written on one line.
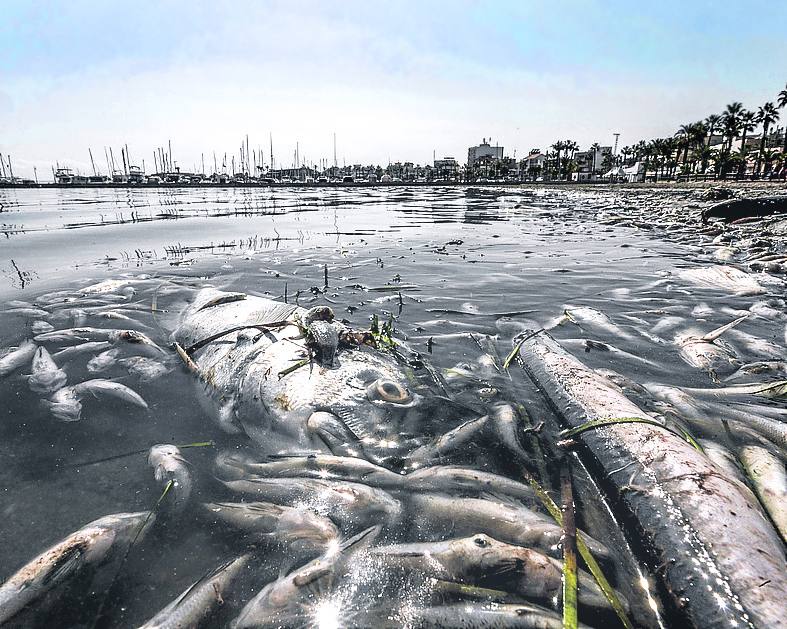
[(590, 163), (446, 168), (534, 164), (483, 150)]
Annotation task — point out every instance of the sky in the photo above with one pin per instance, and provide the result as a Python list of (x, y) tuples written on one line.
[(395, 81)]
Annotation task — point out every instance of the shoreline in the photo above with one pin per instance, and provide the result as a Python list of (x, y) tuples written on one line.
[(714, 183)]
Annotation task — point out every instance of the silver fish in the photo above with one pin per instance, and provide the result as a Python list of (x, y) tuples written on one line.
[(40, 327), (299, 526), (263, 368), (508, 522), (146, 369), (14, 359), (85, 348), (595, 319), (351, 505), (484, 561), (708, 352), (66, 403), (102, 362), (722, 277), (87, 334), (46, 377), (286, 597), (90, 546), (169, 466), (200, 599), (769, 477), (487, 616)]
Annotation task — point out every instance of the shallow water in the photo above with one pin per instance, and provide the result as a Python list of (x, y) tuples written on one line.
[(444, 263)]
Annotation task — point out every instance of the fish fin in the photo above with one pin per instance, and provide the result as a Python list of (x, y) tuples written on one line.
[(361, 540), (205, 577), (714, 334), (501, 498), (63, 566)]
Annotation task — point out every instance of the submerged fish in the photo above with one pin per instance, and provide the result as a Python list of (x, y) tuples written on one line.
[(485, 561), (146, 369), (200, 599), (252, 359), (351, 505), (90, 546), (708, 352), (86, 334), (726, 278), (286, 597), (299, 526), (46, 376), (718, 553), (169, 466), (102, 362), (769, 477), (509, 522), (15, 358), (66, 403)]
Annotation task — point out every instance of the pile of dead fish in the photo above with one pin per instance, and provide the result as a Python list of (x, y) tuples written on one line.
[(349, 483)]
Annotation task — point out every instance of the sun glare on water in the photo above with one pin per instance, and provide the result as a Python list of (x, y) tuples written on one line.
[(326, 615)]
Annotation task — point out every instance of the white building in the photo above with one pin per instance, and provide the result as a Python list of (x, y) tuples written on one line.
[(483, 150)]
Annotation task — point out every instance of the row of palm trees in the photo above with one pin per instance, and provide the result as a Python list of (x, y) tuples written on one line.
[(690, 148)]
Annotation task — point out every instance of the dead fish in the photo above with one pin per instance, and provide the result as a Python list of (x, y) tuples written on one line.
[(102, 362), (66, 403), (484, 561), (769, 477), (708, 352), (169, 466), (770, 367), (726, 278), (41, 327), (46, 376), (102, 288), (482, 616), (146, 369), (76, 335), (758, 347), (593, 318), (234, 466), (85, 348), (299, 526), (506, 521), (285, 597), (31, 313), (200, 599), (92, 545), (351, 505), (15, 358)]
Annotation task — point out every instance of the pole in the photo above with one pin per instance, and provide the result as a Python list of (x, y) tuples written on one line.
[(128, 157), (270, 135), (92, 163), (106, 156)]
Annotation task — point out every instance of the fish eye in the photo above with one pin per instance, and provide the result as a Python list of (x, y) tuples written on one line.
[(481, 542), (388, 391)]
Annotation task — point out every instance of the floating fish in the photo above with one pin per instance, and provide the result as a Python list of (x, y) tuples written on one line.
[(92, 545), (727, 278), (681, 501), (46, 376), (200, 599), (66, 403), (277, 602), (15, 358), (169, 466)]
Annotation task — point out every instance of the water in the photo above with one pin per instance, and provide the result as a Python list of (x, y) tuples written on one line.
[(447, 266)]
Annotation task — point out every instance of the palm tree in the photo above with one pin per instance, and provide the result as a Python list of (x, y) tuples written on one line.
[(766, 115), (711, 122), (557, 147), (781, 102), (748, 121), (730, 121)]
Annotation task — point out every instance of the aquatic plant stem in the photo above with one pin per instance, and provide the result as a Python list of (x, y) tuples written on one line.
[(570, 615)]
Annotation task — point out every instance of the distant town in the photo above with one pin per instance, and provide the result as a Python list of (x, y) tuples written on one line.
[(736, 144)]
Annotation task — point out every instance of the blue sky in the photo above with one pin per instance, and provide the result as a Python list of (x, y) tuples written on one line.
[(394, 80)]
